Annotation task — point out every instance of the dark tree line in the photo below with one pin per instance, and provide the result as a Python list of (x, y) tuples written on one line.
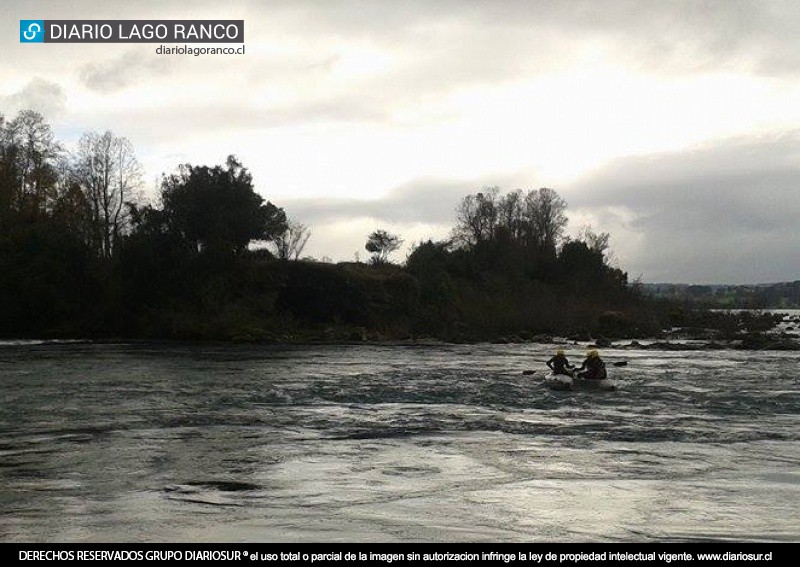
[(82, 255), (87, 191), (535, 220), (509, 270), (523, 234), (77, 245)]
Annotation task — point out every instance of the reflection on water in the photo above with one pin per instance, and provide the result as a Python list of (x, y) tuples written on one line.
[(379, 443)]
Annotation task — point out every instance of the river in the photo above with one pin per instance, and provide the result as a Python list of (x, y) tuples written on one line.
[(171, 442)]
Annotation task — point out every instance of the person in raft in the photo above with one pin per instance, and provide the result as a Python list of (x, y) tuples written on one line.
[(559, 364), (593, 368)]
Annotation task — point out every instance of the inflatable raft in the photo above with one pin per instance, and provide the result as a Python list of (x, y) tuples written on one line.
[(564, 382)]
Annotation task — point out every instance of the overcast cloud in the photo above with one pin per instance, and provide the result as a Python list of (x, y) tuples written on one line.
[(39, 94), (129, 68), (672, 125)]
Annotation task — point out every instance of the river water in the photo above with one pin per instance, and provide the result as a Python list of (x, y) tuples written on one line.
[(165, 442)]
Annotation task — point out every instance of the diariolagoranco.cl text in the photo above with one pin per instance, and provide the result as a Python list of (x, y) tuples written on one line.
[(189, 50)]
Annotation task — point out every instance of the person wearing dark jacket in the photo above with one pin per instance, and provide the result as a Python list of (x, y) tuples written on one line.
[(559, 364), (593, 368)]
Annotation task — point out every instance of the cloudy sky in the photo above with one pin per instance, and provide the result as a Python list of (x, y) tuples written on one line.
[(675, 126)]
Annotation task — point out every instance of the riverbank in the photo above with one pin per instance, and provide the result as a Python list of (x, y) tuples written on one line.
[(758, 342)]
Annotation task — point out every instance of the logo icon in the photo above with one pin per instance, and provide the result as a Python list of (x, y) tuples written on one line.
[(31, 31)]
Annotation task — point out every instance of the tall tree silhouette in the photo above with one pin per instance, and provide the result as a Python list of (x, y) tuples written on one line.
[(106, 169), (546, 213), (476, 217), (30, 152), (217, 209)]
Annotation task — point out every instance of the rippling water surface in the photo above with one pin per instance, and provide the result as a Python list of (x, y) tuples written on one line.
[(393, 443)]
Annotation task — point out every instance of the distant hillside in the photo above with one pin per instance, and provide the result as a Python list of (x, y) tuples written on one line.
[(785, 295)]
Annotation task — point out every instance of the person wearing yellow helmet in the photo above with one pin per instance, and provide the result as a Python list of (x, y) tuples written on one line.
[(559, 364), (593, 368)]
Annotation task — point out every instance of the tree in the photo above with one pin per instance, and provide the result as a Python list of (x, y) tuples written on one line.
[(217, 209), (534, 221), (476, 217), (380, 244), (107, 171), (8, 172), (546, 219), (596, 241), (511, 215), (29, 152), (291, 242), (72, 211)]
